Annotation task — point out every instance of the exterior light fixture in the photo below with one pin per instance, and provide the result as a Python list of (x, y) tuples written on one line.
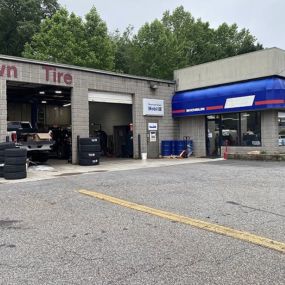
[(44, 102), (153, 85), (42, 92), (58, 91), (66, 105)]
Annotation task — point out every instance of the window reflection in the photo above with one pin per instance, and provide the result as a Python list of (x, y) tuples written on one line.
[(250, 129), (230, 129), (281, 124)]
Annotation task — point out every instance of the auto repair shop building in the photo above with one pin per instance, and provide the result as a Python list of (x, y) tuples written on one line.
[(239, 101), (54, 95)]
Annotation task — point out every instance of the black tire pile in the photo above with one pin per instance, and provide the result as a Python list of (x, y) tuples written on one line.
[(12, 162), (89, 151)]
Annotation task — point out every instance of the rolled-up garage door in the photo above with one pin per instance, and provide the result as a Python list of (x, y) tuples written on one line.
[(109, 97)]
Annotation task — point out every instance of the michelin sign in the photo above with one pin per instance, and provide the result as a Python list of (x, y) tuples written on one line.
[(153, 107)]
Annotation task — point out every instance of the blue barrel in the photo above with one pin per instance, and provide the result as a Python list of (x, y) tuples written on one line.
[(166, 148), (179, 146)]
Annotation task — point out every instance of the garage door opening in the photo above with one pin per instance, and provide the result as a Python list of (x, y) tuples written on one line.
[(40, 110), (110, 118)]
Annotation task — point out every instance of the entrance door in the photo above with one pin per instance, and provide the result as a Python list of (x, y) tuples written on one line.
[(213, 135), (152, 129)]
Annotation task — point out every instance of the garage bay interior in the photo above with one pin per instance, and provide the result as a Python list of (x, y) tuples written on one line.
[(110, 118), (47, 108)]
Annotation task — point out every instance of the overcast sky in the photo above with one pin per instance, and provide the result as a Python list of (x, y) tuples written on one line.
[(264, 18)]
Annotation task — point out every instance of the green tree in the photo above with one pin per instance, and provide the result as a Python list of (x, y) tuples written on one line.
[(19, 20), (123, 50), (100, 46), (229, 41), (153, 51), (179, 40), (66, 38)]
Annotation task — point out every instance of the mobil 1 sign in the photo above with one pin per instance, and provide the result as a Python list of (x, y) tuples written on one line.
[(153, 107)]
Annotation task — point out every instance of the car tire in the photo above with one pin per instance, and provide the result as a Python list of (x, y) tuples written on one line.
[(6, 145), (89, 162), (89, 141), (15, 160), (15, 175), (89, 155), (15, 168), (89, 148), (1, 171), (15, 152)]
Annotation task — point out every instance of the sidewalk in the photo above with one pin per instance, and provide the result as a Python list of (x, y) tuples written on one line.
[(57, 168)]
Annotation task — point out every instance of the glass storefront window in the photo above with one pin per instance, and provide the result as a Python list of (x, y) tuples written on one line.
[(250, 129), (235, 129), (281, 124), (230, 129)]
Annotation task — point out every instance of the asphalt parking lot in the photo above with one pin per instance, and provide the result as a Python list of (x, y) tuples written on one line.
[(52, 234)]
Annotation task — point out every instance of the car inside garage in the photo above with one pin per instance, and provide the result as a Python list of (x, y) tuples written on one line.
[(45, 112)]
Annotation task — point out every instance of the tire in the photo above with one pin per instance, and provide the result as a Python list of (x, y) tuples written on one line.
[(89, 162), (89, 148), (14, 168), (1, 171), (90, 155), (6, 145), (15, 160), (15, 175), (16, 152), (89, 141)]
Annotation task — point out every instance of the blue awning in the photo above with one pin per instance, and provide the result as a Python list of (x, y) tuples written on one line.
[(267, 93)]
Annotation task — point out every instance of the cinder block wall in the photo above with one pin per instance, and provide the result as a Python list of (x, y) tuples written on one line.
[(3, 110), (195, 128)]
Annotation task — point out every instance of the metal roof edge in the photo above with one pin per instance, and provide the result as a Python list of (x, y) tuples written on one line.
[(84, 69)]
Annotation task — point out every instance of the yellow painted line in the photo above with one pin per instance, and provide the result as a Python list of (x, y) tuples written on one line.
[(218, 229)]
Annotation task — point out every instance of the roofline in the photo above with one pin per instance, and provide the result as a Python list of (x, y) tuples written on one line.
[(230, 83), (227, 58), (85, 69)]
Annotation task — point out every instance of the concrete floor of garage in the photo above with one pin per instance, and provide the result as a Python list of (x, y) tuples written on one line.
[(58, 168)]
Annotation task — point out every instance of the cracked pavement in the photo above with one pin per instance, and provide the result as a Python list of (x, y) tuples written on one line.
[(50, 234)]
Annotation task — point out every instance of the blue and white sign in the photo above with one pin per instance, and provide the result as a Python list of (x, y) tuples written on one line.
[(152, 127), (254, 95), (153, 107)]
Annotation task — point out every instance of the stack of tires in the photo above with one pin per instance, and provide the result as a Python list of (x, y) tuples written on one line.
[(3, 147), (15, 163), (89, 151)]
